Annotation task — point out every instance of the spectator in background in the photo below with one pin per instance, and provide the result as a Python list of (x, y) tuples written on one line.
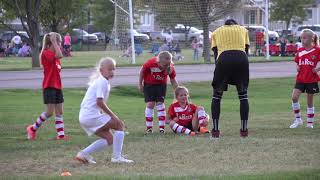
[(24, 51), (67, 45), (16, 40), (196, 48), (259, 41), (283, 43)]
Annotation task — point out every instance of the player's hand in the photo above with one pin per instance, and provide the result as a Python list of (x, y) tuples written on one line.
[(53, 37), (175, 119)]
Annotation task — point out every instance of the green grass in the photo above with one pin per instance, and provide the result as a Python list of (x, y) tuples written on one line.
[(83, 59), (273, 151)]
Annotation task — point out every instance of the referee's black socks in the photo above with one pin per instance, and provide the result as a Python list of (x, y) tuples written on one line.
[(244, 109), (215, 109)]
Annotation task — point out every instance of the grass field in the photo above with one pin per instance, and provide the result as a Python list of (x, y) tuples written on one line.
[(272, 151), (82, 59)]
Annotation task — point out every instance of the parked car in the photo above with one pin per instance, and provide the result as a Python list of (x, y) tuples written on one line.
[(140, 36), (79, 35), (8, 35), (315, 28), (103, 37), (179, 33)]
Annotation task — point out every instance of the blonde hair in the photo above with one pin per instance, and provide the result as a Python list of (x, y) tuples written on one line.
[(165, 55), (46, 42), (179, 89), (105, 61), (312, 34)]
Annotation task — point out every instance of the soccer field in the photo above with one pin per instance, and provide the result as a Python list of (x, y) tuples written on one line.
[(84, 59), (272, 151)]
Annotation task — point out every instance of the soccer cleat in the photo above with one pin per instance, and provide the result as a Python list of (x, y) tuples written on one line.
[(203, 130), (244, 134), (296, 123), (121, 159), (162, 131), (31, 134), (310, 125), (215, 133), (149, 131), (85, 158)]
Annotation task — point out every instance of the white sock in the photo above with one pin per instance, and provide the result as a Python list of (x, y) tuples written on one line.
[(96, 146), (118, 137)]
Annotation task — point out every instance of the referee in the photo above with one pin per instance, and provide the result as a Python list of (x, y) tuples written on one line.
[(230, 44)]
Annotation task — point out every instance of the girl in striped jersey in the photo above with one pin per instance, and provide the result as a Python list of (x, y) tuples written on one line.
[(184, 117)]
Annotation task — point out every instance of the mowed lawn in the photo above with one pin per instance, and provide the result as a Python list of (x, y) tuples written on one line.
[(272, 151), (84, 59)]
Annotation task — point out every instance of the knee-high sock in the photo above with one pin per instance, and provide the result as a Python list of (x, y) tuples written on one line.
[(59, 125), (98, 145), (244, 110), (180, 129), (296, 110), (310, 114), (215, 109), (42, 118), (149, 118), (118, 137), (161, 112), (202, 115)]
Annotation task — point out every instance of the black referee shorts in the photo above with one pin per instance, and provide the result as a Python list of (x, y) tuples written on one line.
[(52, 96), (232, 68), (154, 92)]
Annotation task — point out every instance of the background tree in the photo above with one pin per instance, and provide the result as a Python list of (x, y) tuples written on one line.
[(287, 10), (103, 15), (28, 13), (168, 13)]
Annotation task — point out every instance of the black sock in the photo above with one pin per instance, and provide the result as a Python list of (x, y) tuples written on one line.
[(244, 110), (215, 109)]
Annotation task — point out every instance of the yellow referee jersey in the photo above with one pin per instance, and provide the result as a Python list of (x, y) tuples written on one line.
[(230, 37)]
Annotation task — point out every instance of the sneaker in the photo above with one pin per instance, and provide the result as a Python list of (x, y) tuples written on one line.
[(244, 134), (85, 158), (162, 131), (149, 131), (31, 134), (121, 159), (296, 123), (215, 134), (310, 125), (204, 130)]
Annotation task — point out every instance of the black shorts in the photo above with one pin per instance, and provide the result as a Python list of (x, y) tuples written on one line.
[(309, 88), (232, 68), (189, 126), (154, 92), (52, 96)]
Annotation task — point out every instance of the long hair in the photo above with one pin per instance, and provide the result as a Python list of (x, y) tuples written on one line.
[(46, 42), (102, 63), (313, 35)]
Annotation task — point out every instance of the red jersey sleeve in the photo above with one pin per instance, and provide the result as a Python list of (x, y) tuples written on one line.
[(173, 74), (193, 107), (171, 111)]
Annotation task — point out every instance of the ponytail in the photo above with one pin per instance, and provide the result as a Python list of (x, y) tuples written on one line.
[(315, 40)]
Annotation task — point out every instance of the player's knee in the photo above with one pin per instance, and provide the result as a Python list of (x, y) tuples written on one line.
[(151, 105), (171, 123), (243, 95), (199, 108)]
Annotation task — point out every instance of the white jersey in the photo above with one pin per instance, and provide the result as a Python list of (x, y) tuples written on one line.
[(100, 88)]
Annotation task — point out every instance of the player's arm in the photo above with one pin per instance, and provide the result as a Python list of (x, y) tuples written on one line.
[(140, 85), (57, 50), (102, 105), (174, 83)]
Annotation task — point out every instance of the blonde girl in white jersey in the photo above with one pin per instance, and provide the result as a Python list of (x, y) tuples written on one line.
[(97, 118)]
